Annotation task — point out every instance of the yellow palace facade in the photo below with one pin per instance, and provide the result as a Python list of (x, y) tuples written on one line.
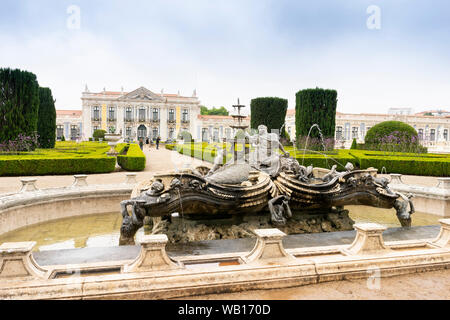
[(139, 114)]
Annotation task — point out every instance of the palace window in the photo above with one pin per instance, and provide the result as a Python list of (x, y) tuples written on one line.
[(96, 114), (354, 132), (128, 114), (155, 114), (216, 135), (155, 133), (228, 133), (363, 130), (446, 134), (347, 131), (420, 134), (171, 133), (171, 114), (185, 116), (112, 114), (59, 131), (73, 132), (338, 133), (204, 134), (128, 132), (432, 134), (142, 114)]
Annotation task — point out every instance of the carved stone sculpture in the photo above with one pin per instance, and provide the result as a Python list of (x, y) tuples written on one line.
[(277, 184)]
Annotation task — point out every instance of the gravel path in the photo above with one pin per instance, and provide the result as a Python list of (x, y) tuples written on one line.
[(424, 286)]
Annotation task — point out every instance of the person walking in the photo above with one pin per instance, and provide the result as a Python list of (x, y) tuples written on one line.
[(157, 142), (141, 143)]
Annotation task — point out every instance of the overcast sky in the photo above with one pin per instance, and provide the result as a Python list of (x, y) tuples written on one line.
[(230, 49)]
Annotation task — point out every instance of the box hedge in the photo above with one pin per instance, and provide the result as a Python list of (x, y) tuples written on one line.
[(131, 157), (403, 163), (65, 158)]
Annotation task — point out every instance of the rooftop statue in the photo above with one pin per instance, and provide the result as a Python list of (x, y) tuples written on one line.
[(269, 181)]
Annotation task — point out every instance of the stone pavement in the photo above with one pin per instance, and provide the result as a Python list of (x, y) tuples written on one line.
[(157, 161)]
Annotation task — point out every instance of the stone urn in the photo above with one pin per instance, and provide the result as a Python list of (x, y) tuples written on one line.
[(113, 139)]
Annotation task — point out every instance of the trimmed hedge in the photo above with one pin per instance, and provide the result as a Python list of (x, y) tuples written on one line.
[(131, 157), (437, 165), (66, 158), (56, 166), (403, 163)]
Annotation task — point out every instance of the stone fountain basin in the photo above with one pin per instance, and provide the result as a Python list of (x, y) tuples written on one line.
[(29, 208)]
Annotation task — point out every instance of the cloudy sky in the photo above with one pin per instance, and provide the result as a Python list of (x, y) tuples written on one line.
[(228, 49)]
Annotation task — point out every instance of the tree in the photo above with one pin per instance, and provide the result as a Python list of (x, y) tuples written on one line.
[(222, 111), (47, 119), (269, 111), (19, 104), (354, 144), (316, 106)]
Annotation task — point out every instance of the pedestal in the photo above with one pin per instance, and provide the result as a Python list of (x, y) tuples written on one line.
[(130, 178), (17, 263), (443, 239), (368, 241), (80, 181), (269, 248), (28, 184), (153, 256)]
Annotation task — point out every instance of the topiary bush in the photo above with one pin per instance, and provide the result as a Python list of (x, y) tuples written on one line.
[(99, 134), (393, 136), (316, 106), (354, 144), (269, 111)]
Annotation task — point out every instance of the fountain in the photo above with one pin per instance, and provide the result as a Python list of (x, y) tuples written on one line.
[(113, 139), (266, 189)]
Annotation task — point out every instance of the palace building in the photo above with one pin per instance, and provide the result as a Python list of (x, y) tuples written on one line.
[(140, 114)]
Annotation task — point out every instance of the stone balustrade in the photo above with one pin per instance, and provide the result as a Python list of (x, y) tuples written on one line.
[(154, 275)]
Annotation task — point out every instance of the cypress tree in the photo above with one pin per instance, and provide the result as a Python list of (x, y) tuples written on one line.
[(270, 111), (47, 119), (316, 106), (19, 103)]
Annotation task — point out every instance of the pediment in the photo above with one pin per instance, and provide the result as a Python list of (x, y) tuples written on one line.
[(141, 94)]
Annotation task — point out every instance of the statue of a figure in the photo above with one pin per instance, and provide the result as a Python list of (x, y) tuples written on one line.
[(140, 206), (218, 160), (280, 211), (401, 206), (266, 157)]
